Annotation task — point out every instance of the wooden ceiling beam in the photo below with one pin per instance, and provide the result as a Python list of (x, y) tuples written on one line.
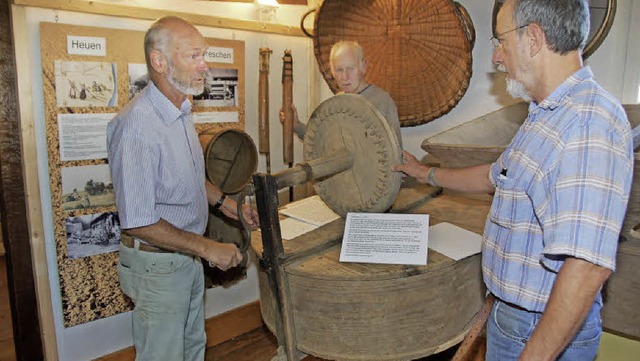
[(128, 11)]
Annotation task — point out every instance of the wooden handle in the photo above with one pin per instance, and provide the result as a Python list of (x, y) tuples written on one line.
[(263, 101), (304, 17), (287, 100)]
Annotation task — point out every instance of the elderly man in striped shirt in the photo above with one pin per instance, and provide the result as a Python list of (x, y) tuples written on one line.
[(162, 197), (560, 189)]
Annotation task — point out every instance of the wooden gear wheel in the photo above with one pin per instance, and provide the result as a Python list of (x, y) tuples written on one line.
[(418, 51), (348, 122)]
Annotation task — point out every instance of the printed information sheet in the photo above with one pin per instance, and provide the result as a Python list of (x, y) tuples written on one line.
[(311, 210), (385, 238), (83, 136)]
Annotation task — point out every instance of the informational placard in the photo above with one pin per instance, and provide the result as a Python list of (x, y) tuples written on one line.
[(215, 117), (83, 136), (385, 238)]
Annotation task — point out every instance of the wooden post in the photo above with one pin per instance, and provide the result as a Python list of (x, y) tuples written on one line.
[(263, 106), (287, 101), (273, 254)]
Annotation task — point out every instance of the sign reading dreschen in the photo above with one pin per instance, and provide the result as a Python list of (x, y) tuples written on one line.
[(219, 55), (85, 45)]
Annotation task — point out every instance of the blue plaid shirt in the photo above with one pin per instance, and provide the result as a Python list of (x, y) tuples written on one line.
[(562, 187), (157, 164)]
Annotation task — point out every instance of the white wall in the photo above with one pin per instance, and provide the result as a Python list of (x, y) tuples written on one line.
[(485, 94)]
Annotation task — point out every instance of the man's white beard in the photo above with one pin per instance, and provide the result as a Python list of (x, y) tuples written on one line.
[(186, 89), (515, 88)]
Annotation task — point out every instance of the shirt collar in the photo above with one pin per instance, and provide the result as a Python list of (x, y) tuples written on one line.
[(166, 109), (563, 90)]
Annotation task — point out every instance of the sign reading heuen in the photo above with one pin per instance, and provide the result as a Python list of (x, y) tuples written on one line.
[(85, 45)]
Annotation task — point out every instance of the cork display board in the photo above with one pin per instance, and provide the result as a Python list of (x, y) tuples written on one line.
[(89, 74)]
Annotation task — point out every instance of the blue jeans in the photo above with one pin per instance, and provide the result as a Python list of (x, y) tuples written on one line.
[(509, 328), (168, 292)]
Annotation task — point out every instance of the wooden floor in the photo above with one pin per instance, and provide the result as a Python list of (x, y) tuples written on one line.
[(261, 345)]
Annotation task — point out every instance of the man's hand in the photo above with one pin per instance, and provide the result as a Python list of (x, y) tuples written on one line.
[(223, 255), (412, 167), (230, 209), (251, 216), (295, 114)]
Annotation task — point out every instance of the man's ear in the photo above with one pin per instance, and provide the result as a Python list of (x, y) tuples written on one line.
[(158, 61), (536, 39), (364, 66)]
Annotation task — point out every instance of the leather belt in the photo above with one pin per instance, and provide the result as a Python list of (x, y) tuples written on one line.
[(513, 305), (129, 242)]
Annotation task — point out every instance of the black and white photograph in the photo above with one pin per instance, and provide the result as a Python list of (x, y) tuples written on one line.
[(85, 84), (92, 234), (138, 78), (87, 187), (220, 89)]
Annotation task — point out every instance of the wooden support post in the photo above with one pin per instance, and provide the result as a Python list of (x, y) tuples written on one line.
[(27, 336), (266, 189)]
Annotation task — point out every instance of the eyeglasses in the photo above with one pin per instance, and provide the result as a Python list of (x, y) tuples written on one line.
[(496, 41)]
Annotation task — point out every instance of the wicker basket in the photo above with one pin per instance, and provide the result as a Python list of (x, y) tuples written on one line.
[(418, 51)]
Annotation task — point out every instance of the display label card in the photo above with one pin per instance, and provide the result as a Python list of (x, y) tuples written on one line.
[(86, 45), (219, 55), (216, 117), (385, 238)]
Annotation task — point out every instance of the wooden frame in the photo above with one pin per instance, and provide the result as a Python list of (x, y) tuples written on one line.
[(152, 14), (35, 336)]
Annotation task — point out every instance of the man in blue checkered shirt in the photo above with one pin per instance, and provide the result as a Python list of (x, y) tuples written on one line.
[(560, 189)]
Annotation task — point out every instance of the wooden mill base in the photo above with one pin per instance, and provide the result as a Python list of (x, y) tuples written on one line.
[(349, 311)]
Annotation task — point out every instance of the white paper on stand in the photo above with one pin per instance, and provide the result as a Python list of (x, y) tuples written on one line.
[(385, 238), (311, 210), (454, 242), (291, 228)]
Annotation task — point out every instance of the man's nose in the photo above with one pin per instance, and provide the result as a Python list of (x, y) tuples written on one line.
[(202, 65), (497, 56)]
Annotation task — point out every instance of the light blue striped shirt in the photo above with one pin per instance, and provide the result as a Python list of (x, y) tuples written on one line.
[(157, 164), (562, 187)]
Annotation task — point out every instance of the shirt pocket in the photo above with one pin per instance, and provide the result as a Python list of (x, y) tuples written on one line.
[(511, 206), (175, 188)]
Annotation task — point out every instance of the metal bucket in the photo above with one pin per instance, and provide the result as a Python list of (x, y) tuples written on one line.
[(230, 158)]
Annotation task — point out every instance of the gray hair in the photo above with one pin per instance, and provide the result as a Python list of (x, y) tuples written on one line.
[(158, 37), (565, 23), (346, 44)]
